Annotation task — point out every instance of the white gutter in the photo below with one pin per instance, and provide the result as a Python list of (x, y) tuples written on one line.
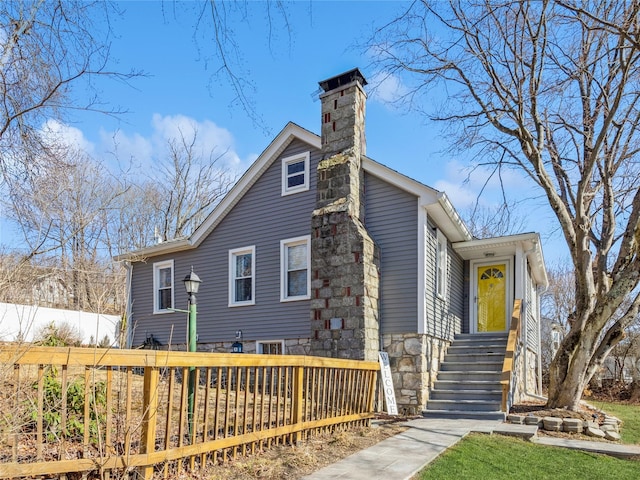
[(446, 204)]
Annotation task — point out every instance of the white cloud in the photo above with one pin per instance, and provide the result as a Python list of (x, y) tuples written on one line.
[(210, 137), (55, 131), (387, 88), (126, 147), (147, 151), (463, 185)]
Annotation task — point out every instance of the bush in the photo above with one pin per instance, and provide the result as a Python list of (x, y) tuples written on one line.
[(52, 409), (58, 335)]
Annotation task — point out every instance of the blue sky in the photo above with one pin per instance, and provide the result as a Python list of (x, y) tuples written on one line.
[(161, 39)]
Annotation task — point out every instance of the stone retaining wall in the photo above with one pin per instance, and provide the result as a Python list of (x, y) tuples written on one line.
[(608, 429)]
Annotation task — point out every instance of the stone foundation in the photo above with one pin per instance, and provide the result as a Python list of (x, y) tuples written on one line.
[(293, 346), (528, 376), (415, 360)]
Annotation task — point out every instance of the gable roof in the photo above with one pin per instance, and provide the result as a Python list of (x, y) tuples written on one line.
[(437, 204)]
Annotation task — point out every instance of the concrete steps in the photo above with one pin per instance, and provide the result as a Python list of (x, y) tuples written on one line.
[(468, 382)]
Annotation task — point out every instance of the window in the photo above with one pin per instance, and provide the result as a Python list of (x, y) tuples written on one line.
[(162, 286), (295, 174), (441, 265), (295, 275), (242, 267), (270, 348)]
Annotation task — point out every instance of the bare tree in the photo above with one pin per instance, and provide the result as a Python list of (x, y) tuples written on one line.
[(65, 215), (191, 183), (172, 202), (48, 47), (556, 304), (552, 90), (493, 221)]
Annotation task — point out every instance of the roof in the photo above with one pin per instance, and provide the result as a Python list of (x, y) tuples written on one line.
[(436, 203)]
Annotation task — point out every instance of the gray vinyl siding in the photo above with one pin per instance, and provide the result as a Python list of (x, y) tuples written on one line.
[(391, 218), (262, 218), (444, 316)]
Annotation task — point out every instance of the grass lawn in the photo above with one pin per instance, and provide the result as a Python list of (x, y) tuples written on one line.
[(494, 457)]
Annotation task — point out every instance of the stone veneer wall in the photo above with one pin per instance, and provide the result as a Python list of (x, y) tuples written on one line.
[(344, 272), (415, 361), (528, 379), (344, 257)]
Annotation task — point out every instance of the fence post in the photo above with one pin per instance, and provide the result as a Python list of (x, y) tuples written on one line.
[(372, 393), (298, 382), (149, 419)]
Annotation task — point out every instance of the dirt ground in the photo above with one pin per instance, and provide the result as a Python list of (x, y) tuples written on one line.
[(295, 462)]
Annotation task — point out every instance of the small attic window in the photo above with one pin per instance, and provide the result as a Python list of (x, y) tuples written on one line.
[(295, 174)]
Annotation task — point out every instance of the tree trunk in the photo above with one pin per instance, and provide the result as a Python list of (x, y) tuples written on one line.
[(581, 354)]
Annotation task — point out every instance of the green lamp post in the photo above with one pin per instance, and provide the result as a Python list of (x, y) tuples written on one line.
[(192, 283)]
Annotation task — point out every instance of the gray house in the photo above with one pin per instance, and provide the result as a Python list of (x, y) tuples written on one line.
[(320, 250)]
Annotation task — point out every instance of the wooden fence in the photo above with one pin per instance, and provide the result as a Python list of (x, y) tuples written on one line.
[(111, 412)]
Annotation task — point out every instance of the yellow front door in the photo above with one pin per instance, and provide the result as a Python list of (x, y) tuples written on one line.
[(492, 298)]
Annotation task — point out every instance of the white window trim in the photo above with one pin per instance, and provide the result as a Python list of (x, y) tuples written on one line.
[(232, 283), (290, 242), (294, 159), (442, 259), (156, 303), (260, 343)]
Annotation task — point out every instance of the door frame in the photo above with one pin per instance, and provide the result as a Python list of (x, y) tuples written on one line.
[(473, 289)]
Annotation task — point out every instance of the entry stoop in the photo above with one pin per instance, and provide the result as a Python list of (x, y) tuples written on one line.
[(468, 382)]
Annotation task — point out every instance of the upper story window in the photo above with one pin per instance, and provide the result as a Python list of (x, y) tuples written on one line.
[(295, 275), (441, 264), (242, 285), (295, 174), (163, 286)]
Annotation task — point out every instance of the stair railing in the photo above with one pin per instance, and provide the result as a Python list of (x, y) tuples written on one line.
[(509, 363)]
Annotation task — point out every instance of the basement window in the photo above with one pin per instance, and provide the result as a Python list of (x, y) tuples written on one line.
[(270, 348), (295, 174)]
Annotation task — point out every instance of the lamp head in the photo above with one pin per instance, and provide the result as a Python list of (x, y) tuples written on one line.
[(192, 282)]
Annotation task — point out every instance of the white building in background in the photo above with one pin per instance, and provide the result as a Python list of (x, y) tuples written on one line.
[(22, 322)]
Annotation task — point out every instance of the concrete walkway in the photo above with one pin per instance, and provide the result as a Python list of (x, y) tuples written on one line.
[(402, 456)]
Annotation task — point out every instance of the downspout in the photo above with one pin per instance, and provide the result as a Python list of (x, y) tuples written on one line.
[(538, 293), (129, 308)]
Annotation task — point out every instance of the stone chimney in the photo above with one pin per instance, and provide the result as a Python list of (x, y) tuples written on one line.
[(344, 257)]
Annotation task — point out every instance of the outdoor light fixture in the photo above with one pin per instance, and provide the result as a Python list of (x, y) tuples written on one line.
[(192, 282)]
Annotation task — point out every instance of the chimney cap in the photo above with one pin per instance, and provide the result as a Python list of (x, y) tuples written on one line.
[(343, 79)]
